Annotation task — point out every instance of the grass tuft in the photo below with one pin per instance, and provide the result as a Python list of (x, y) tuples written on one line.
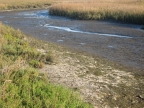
[(36, 64)]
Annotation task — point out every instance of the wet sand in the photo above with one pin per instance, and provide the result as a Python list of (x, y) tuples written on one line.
[(121, 43)]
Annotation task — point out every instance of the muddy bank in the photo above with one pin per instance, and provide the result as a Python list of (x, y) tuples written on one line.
[(121, 43)]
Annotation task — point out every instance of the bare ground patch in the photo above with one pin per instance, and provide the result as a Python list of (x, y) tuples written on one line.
[(99, 84)]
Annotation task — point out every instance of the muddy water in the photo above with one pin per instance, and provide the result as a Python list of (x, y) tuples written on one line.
[(122, 43)]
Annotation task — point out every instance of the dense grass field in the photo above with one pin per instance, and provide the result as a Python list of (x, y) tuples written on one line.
[(21, 85), (25, 4), (129, 11)]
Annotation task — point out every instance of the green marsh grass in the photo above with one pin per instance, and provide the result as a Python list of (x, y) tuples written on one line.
[(27, 88), (21, 85)]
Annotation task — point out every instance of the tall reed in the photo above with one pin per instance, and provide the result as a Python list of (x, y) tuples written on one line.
[(120, 11)]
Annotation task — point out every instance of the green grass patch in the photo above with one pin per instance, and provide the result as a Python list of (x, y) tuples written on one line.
[(27, 88), (15, 47), (21, 84)]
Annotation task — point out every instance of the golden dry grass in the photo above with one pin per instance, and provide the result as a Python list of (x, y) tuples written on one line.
[(20, 4), (131, 11), (26, 1)]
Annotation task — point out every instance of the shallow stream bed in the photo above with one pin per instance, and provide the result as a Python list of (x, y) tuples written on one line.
[(121, 43)]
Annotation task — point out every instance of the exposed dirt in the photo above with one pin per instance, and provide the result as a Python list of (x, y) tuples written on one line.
[(99, 84)]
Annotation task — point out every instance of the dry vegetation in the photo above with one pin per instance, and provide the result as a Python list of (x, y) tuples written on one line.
[(131, 11), (19, 4)]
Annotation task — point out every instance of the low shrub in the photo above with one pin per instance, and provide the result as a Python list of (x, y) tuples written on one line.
[(36, 64), (49, 58)]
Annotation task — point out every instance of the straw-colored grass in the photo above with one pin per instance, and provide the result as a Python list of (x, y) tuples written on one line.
[(25, 4), (130, 11)]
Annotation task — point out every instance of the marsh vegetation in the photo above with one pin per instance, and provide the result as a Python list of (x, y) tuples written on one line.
[(26, 4), (129, 11)]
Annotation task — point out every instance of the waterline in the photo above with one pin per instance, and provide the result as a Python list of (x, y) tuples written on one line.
[(91, 33)]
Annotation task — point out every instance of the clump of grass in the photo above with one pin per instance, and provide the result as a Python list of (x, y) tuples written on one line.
[(49, 58), (36, 64), (128, 12), (95, 71)]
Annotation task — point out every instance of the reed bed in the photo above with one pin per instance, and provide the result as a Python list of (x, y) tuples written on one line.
[(128, 11), (25, 4)]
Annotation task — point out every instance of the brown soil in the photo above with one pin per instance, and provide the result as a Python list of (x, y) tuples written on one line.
[(99, 84)]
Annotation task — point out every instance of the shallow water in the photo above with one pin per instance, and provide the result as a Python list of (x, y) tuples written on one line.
[(89, 33), (122, 43), (45, 14)]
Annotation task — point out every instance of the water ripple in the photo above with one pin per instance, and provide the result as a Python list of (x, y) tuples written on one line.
[(91, 33)]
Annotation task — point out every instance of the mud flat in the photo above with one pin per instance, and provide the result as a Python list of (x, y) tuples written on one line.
[(120, 43)]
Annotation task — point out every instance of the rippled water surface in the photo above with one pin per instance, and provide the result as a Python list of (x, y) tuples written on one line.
[(122, 43), (45, 15)]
